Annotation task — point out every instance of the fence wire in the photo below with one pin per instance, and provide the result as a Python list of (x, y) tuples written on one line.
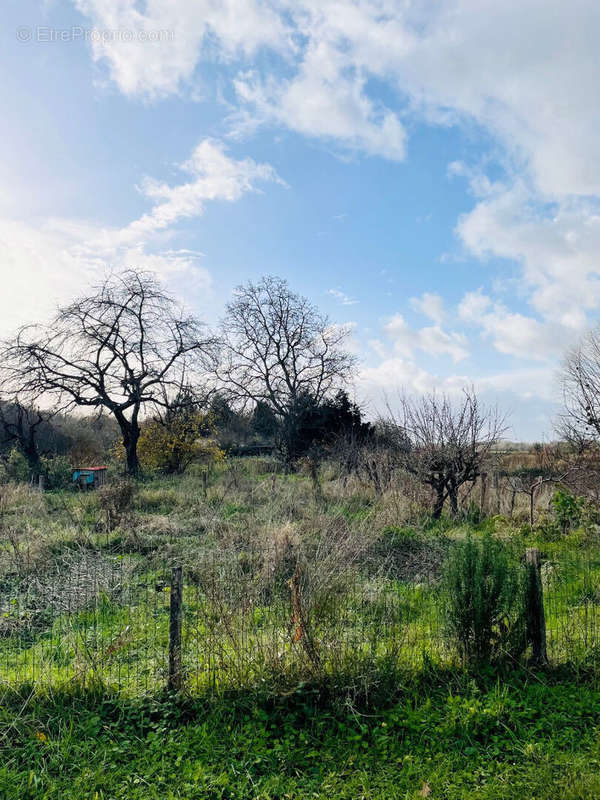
[(97, 617)]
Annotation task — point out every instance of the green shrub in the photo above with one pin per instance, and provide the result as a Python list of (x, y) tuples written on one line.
[(566, 509), (17, 468), (58, 472), (484, 601)]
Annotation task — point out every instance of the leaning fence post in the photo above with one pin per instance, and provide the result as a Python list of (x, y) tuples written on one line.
[(483, 491), (536, 618), (175, 614)]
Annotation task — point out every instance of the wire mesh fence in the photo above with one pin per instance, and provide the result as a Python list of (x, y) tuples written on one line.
[(102, 617)]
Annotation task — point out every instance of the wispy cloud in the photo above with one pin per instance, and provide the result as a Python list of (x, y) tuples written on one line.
[(343, 298), (214, 176), (48, 261), (431, 305)]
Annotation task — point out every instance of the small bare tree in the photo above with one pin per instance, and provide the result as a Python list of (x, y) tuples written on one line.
[(127, 348), (448, 442), (277, 349), (553, 467)]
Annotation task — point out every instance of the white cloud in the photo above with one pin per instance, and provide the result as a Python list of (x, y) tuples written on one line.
[(431, 305), (432, 339), (324, 101), (523, 394), (394, 375), (343, 298), (215, 176), (525, 383), (378, 347), (473, 306), (170, 37), (525, 71), (397, 375), (557, 246), (322, 42), (513, 333)]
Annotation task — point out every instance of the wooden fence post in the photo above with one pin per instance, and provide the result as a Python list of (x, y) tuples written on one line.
[(483, 491), (536, 618), (496, 487), (175, 615)]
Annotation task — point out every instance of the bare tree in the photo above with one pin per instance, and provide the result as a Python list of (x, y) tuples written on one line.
[(276, 348), (448, 442), (553, 466), (127, 348), (21, 422), (579, 423)]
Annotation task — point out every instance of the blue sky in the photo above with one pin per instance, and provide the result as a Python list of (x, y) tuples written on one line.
[(427, 172)]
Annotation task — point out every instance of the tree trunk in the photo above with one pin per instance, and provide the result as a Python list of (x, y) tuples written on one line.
[(438, 505), (33, 461), (133, 464), (130, 431), (453, 496)]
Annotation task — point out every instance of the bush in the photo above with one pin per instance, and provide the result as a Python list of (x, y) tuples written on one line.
[(58, 472), (17, 469), (116, 501), (169, 446), (566, 509), (484, 601)]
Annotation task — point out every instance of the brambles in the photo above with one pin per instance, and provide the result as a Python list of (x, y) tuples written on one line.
[(116, 500)]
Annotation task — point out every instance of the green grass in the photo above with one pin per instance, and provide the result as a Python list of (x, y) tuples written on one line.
[(446, 738)]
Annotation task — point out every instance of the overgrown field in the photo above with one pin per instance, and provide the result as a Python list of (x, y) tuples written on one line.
[(321, 652)]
